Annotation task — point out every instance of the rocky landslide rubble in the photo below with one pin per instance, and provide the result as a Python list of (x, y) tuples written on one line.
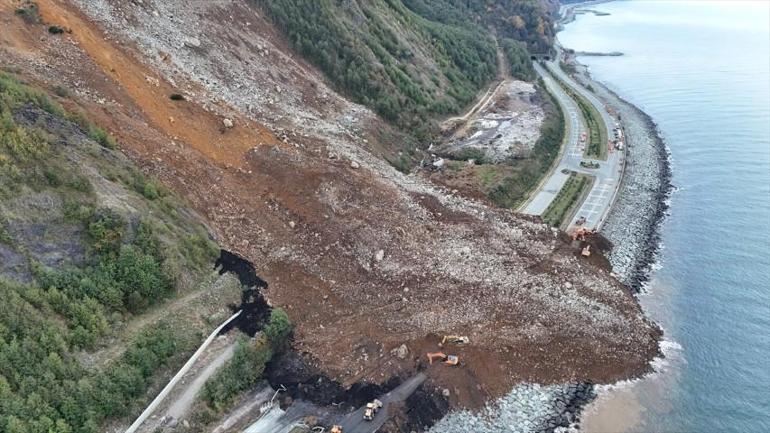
[(363, 258), (228, 52)]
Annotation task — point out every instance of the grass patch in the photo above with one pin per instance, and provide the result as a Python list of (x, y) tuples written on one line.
[(61, 91), (93, 131), (568, 198)]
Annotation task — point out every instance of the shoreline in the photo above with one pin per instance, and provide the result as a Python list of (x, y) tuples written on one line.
[(634, 253), (648, 242), (635, 249), (633, 226)]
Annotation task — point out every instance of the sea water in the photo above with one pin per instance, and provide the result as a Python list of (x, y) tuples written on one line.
[(701, 70)]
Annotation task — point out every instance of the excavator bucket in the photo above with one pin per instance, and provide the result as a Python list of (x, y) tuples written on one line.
[(455, 339)]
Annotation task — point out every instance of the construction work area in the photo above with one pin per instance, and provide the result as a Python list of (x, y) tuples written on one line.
[(506, 126), (372, 266)]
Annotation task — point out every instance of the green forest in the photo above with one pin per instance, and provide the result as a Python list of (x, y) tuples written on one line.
[(412, 60), (74, 268)]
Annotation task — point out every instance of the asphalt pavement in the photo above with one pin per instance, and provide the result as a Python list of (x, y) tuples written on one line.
[(355, 423), (607, 177)]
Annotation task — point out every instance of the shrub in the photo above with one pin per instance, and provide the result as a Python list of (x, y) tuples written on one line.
[(150, 191), (105, 231), (239, 374), (55, 30), (61, 91), (472, 153), (278, 329), (29, 13), (176, 97)]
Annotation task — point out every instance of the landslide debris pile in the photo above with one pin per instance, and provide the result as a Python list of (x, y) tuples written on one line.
[(363, 258)]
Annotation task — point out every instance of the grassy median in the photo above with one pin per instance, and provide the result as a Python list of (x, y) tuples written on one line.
[(568, 199), (596, 142)]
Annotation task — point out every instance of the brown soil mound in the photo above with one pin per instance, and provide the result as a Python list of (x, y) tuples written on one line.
[(363, 259)]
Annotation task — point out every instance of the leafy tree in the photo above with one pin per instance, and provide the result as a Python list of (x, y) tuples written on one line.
[(240, 373), (278, 329)]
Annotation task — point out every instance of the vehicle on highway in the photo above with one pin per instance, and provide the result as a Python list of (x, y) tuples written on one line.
[(371, 409)]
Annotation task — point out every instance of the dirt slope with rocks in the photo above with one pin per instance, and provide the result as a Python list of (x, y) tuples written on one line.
[(362, 257)]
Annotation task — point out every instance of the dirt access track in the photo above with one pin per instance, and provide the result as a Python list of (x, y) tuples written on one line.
[(363, 258)]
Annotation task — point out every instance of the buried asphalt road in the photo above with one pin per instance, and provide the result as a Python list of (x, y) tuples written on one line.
[(277, 420), (355, 423)]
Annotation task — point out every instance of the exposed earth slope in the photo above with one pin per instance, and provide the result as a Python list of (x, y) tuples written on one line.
[(293, 177)]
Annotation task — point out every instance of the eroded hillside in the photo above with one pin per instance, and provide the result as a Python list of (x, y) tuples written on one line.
[(293, 177), (106, 277)]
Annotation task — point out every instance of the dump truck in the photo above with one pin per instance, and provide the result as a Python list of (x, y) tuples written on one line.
[(371, 409)]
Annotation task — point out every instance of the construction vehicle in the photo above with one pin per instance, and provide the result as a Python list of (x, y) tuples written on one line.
[(446, 359), (581, 232), (454, 339), (371, 409), (336, 429), (586, 251)]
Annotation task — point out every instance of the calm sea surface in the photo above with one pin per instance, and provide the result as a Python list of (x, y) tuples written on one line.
[(701, 70)]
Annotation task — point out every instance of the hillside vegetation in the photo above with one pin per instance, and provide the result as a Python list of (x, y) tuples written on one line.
[(410, 60), (86, 243)]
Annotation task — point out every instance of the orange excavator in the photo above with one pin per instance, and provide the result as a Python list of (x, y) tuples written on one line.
[(581, 233), (446, 359)]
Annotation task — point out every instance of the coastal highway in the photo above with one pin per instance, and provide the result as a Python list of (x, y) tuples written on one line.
[(597, 204)]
